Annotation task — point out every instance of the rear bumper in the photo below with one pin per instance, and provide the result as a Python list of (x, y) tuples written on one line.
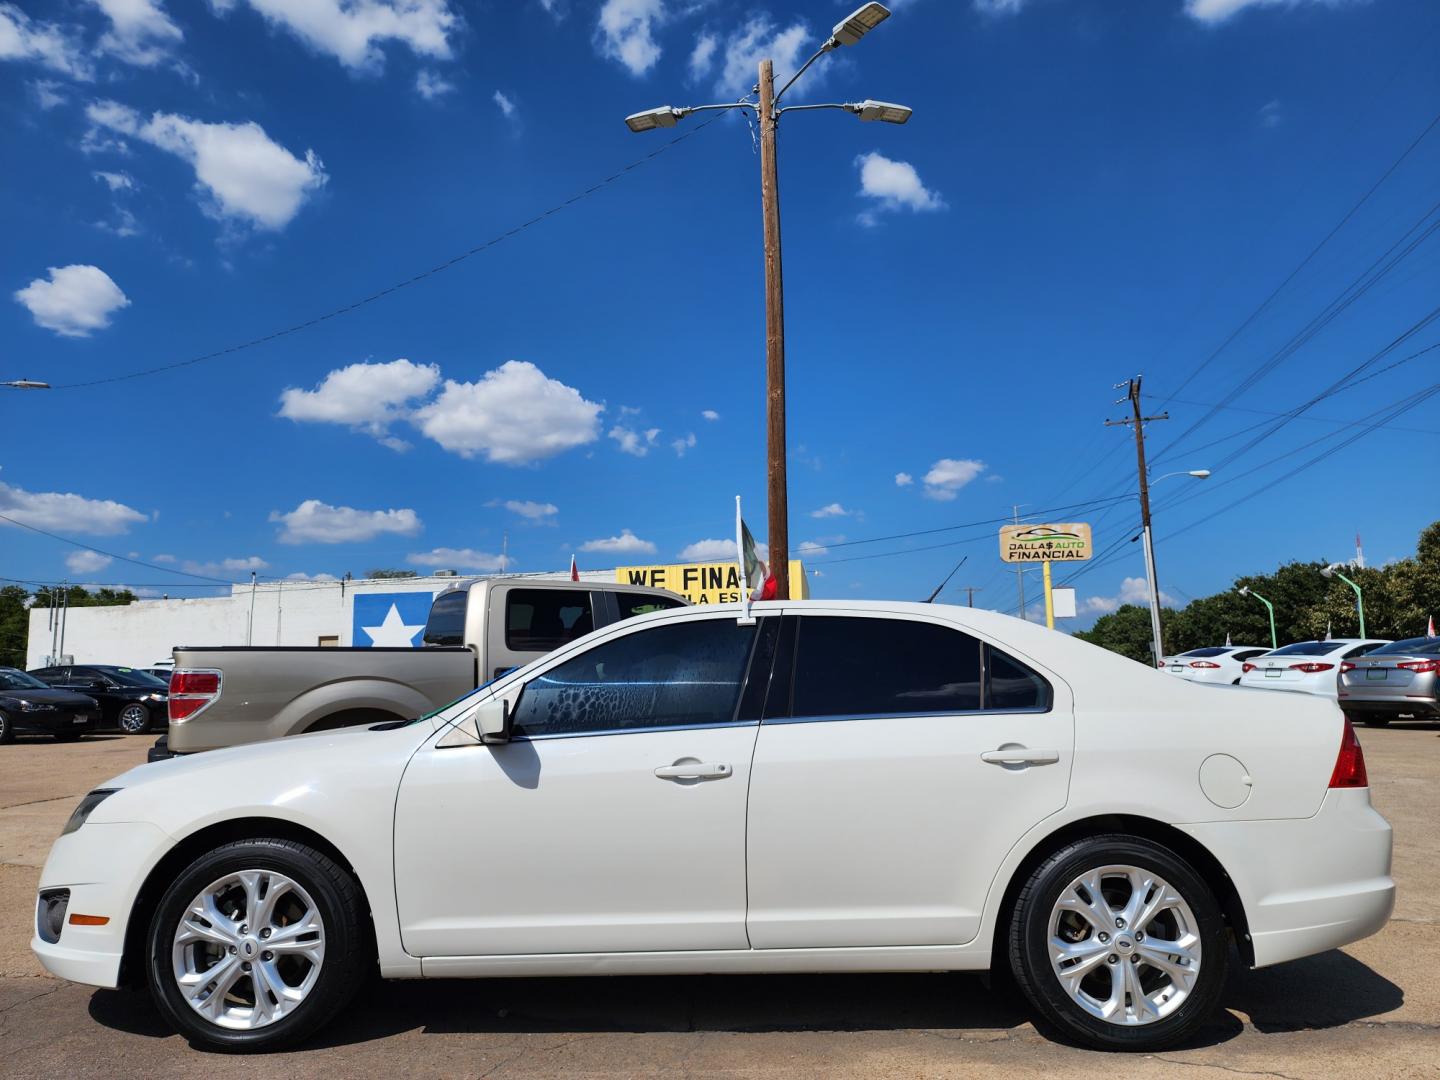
[(1312, 884), (1420, 707)]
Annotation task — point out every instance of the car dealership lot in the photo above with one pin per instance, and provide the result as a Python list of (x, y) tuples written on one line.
[(1375, 1004)]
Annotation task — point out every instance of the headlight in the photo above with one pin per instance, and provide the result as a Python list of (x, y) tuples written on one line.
[(36, 706), (86, 807), (154, 697)]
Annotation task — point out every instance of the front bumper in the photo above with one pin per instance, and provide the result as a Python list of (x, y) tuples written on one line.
[(56, 722), (103, 866), (1312, 884)]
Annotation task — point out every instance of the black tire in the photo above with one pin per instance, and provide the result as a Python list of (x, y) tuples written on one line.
[(339, 903), (7, 729), (1378, 721), (1029, 937), (133, 719)]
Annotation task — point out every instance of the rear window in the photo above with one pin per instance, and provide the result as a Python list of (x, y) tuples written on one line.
[(632, 604), (538, 620), (1415, 646), (1308, 648), (1217, 651), (446, 624)]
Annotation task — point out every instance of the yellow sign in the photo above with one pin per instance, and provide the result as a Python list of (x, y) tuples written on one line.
[(705, 583), (1046, 543)]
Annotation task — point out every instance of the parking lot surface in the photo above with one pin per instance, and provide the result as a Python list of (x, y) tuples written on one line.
[(1372, 1008)]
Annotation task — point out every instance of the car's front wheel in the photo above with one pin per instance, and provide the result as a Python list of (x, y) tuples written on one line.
[(134, 719), (256, 945), (1119, 944), (7, 729)]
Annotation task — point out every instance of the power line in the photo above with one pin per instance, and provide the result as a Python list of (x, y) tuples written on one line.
[(115, 555), (295, 328)]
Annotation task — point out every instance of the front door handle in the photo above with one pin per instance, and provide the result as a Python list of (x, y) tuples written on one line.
[(1020, 755), (693, 770)]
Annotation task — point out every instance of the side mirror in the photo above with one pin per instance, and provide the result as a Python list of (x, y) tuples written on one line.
[(493, 720)]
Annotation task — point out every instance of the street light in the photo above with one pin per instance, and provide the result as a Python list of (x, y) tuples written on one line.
[(1333, 570), (26, 384), (766, 105), (1245, 590)]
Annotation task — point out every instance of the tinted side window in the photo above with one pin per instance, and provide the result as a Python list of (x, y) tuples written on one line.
[(446, 624), (1249, 654), (860, 667), (685, 673), (1009, 684), (632, 604), (538, 620)]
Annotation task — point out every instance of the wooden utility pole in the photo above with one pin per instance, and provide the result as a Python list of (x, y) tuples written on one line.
[(779, 508), (1138, 422), (970, 591)]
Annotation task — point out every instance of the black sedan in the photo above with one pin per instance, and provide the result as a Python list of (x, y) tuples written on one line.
[(27, 705), (130, 699)]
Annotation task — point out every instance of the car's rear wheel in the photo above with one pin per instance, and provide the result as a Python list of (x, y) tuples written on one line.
[(134, 719), (256, 945), (1119, 944)]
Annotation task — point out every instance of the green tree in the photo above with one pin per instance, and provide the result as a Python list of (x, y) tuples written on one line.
[(14, 625), (383, 573)]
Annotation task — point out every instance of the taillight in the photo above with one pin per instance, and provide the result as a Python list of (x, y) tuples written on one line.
[(1160, 664), (1203, 663), (1419, 666), (1346, 665), (1247, 668), (1311, 668), (192, 691), (1350, 763)]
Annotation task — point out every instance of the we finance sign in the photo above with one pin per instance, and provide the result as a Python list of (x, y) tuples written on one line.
[(704, 583)]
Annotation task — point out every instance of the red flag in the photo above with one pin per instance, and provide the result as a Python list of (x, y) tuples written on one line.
[(574, 570)]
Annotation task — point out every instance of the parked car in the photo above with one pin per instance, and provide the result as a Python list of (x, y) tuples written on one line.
[(162, 672), (28, 706), (1401, 679), (130, 699), (834, 787), (1310, 667), (476, 630), (1213, 664)]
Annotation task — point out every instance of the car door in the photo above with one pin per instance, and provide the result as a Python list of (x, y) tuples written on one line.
[(908, 760), (614, 819)]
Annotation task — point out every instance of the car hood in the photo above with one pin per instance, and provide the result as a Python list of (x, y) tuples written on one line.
[(52, 697)]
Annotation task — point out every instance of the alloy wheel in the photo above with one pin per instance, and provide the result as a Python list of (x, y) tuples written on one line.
[(1124, 945), (134, 719), (248, 949)]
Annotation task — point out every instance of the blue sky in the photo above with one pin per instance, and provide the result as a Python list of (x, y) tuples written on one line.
[(1088, 189)]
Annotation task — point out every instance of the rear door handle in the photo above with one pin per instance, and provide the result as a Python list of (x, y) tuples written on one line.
[(1019, 755), (693, 770)]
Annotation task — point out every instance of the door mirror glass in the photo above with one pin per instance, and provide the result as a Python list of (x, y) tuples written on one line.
[(493, 721)]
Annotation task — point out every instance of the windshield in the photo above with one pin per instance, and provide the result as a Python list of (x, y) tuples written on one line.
[(1308, 648), (1214, 651), (11, 679), (133, 677), (1415, 646)]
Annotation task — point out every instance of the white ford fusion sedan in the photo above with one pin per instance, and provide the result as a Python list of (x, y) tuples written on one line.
[(833, 787)]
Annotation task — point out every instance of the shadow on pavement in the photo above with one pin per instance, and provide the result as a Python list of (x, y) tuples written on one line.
[(1323, 991)]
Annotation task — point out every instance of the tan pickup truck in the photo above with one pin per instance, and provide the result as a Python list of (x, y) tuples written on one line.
[(478, 629)]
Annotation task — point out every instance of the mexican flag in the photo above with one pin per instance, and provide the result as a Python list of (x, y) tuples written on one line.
[(756, 575)]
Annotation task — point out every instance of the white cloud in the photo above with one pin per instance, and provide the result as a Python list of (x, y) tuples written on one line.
[(315, 522), (246, 565), (48, 93), (625, 32), (709, 551), (1270, 114), (1100, 605), (533, 511), (87, 562), (903, 479), (948, 475), (48, 44), (76, 300), (302, 576), (894, 185), (999, 7), (682, 444), (626, 543), (116, 181), (514, 415), (242, 174), (1212, 12), (832, 510), (366, 397), (810, 547), (634, 442), (165, 559), (467, 559), (353, 31), (1133, 590), (702, 60), (431, 84), (140, 32), (757, 40), (505, 104), (710, 414)]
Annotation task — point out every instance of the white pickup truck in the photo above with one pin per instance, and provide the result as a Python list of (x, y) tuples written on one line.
[(478, 629)]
